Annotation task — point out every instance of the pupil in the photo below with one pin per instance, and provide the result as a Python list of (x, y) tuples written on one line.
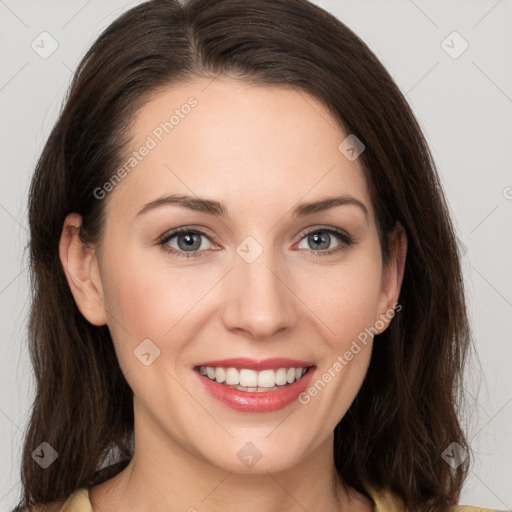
[(319, 237), (189, 241)]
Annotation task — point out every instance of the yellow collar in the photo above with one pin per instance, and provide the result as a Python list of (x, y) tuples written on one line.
[(384, 499)]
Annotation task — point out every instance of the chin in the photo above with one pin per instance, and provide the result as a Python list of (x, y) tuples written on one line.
[(253, 454)]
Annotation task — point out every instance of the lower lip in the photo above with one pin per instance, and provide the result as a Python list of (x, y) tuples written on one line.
[(265, 401)]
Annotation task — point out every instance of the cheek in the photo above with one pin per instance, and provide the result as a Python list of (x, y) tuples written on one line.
[(134, 307), (345, 298), (141, 291), (345, 301), (146, 299), (144, 302)]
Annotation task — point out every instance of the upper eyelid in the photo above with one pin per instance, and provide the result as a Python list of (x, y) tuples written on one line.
[(178, 231)]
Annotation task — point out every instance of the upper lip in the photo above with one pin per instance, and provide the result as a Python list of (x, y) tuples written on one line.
[(257, 364)]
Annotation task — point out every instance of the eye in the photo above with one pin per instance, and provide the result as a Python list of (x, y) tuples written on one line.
[(321, 238), (188, 242)]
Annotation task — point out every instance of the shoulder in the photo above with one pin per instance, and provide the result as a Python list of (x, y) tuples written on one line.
[(387, 501), (468, 508), (78, 501)]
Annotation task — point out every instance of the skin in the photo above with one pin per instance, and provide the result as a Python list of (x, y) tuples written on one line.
[(240, 144)]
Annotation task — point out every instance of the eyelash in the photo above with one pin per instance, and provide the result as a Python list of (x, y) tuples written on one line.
[(346, 239)]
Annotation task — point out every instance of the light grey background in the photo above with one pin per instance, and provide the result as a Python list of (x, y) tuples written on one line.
[(463, 104)]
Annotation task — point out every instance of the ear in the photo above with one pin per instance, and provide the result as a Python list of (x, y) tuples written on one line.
[(80, 265), (392, 276)]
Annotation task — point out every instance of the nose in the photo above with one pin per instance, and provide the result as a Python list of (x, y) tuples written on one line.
[(260, 299)]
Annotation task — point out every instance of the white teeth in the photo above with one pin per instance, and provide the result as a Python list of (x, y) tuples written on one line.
[(251, 380), (281, 377), (232, 376), (248, 378), (266, 379), (220, 374)]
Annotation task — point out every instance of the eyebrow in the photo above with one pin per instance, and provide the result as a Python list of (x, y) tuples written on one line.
[(218, 209)]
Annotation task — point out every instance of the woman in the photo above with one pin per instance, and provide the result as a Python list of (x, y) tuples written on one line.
[(194, 348)]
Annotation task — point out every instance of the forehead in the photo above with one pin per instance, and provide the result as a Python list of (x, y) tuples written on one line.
[(250, 146)]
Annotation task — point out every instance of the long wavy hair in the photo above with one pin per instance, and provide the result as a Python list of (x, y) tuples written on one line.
[(407, 411)]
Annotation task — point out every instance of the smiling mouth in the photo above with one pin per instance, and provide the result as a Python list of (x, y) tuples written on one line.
[(248, 380)]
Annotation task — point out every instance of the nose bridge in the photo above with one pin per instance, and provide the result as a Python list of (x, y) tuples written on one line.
[(259, 299)]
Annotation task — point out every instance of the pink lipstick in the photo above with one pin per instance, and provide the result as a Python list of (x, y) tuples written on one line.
[(242, 383)]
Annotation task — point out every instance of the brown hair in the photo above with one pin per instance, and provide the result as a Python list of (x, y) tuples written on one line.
[(406, 413)]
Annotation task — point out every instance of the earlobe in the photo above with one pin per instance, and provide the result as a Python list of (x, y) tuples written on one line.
[(392, 275), (80, 265)]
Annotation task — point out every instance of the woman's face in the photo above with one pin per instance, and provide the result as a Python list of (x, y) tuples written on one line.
[(262, 282)]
